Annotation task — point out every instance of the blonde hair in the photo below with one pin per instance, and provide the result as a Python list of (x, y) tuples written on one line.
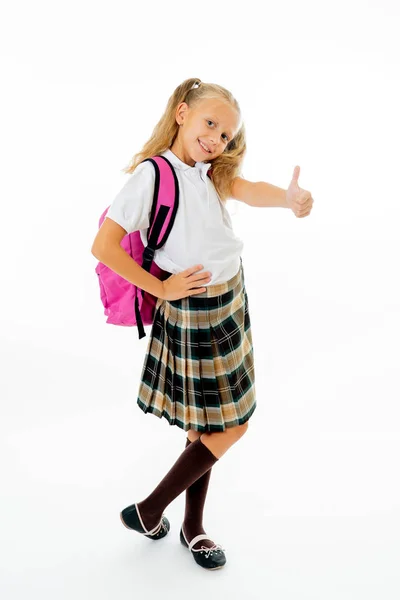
[(227, 165)]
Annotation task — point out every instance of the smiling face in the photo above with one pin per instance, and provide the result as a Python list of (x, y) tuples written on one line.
[(205, 131)]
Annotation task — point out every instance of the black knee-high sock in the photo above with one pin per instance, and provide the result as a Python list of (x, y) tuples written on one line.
[(195, 498), (195, 460)]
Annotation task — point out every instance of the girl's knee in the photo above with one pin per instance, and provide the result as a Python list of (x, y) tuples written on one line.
[(242, 428), (193, 434), (229, 436), (237, 431), (220, 441)]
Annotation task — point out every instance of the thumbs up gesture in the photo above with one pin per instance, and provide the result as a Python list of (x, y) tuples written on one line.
[(299, 200)]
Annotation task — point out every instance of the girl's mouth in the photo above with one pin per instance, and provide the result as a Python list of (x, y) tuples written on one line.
[(204, 150)]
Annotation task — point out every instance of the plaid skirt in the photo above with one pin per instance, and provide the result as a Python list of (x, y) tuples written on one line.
[(198, 370)]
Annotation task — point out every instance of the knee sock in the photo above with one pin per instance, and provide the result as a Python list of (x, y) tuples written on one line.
[(195, 460), (195, 498)]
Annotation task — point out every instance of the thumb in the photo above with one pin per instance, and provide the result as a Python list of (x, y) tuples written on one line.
[(296, 173)]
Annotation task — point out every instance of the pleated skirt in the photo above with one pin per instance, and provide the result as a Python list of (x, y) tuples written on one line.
[(198, 371)]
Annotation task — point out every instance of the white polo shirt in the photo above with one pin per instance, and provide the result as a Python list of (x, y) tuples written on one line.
[(202, 231)]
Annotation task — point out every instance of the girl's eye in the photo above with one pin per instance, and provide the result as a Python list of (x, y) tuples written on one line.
[(208, 121)]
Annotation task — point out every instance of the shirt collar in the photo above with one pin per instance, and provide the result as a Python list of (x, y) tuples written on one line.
[(179, 164)]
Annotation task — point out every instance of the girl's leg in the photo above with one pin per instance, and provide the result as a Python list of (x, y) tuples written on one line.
[(192, 435), (197, 492), (194, 501), (218, 442), (194, 461)]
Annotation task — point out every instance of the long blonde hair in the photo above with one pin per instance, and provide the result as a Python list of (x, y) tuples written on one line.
[(227, 165)]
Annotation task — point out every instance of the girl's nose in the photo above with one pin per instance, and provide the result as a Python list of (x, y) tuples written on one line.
[(212, 144)]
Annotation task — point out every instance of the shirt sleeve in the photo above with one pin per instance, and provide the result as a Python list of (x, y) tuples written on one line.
[(131, 207)]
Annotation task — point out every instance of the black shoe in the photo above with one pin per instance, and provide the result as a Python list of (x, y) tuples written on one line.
[(131, 518), (209, 558)]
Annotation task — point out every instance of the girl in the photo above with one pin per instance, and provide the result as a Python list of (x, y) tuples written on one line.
[(198, 370)]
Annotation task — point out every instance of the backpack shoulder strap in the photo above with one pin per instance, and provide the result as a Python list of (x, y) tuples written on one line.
[(164, 207)]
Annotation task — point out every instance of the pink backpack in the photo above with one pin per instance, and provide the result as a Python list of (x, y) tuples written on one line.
[(124, 303)]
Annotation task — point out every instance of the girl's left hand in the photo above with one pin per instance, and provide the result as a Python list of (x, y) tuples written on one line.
[(299, 200)]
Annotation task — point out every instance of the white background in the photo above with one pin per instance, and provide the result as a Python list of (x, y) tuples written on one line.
[(306, 504)]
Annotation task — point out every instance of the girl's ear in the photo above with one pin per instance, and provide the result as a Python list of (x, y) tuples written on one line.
[(180, 112)]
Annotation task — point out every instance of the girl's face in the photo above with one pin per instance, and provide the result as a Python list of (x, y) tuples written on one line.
[(206, 130)]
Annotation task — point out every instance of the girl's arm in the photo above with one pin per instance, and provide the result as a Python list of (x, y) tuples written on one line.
[(258, 193)]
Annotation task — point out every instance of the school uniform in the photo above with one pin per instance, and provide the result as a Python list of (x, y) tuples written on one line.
[(198, 370)]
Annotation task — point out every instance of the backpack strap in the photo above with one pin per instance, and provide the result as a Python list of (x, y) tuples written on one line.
[(163, 212), (164, 207)]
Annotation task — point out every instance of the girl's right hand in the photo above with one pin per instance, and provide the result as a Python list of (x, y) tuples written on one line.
[(180, 285)]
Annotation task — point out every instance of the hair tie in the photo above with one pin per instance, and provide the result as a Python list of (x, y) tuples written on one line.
[(195, 85)]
